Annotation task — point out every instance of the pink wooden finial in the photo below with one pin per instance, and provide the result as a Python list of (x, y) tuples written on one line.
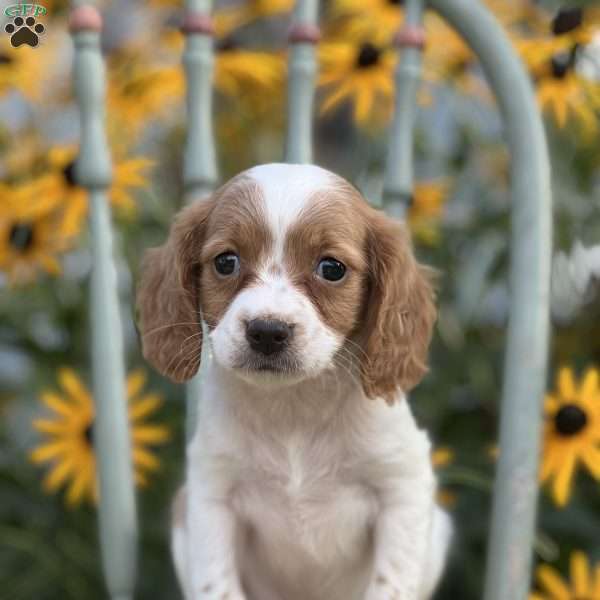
[(194, 22), (410, 36), (304, 32), (85, 18)]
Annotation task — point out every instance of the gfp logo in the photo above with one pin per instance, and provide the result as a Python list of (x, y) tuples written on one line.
[(24, 29), (24, 10)]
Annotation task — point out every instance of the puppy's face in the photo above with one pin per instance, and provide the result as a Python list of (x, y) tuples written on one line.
[(294, 273)]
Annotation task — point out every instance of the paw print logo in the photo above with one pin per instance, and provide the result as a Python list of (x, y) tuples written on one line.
[(24, 31)]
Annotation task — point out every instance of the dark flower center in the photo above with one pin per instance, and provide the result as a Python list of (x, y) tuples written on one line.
[(566, 20), (88, 435), (396, 2), (368, 56), (563, 62), (69, 174), (226, 44), (21, 236), (5, 59), (570, 420)]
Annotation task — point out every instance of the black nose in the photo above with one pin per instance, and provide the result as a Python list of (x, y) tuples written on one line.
[(268, 336)]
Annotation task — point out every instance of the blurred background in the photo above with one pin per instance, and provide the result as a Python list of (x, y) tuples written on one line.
[(459, 218)]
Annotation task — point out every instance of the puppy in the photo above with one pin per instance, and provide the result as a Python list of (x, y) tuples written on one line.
[(307, 477)]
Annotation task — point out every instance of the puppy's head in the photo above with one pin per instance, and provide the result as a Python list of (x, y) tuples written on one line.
[(294, 273)]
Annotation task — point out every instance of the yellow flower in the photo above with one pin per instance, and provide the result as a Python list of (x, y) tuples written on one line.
[(449, 57), (563, 93), (128, 175), (571, 432), (25, 69), (568, 97), (139, 92), (441, 458), (68, 446), (426, 210), (585, 584), (360, 72), (32, 230), (237, 72), (377, 19)]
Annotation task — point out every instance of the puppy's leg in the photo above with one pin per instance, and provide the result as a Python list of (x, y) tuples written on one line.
[(439, 542), (406, 499), (211, 531), (179, 540)]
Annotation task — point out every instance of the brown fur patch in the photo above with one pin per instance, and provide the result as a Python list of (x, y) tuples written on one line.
[(399, 311), (167, 296), (329, 226), (238, 224), (178, 279), (385, 303)]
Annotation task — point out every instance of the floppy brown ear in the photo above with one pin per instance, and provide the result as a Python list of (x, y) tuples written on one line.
[(400, 312), (168, 296)]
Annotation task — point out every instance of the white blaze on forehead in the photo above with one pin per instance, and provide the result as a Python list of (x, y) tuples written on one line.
[(286, 189)]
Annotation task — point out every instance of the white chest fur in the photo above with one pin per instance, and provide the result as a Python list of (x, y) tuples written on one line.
[(297, 470)]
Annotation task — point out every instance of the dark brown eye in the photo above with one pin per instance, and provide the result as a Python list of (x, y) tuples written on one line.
[(331, 269), (227, 264)]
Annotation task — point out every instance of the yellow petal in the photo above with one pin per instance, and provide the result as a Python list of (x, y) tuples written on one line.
[(51, 427), (59, 473), (143, 458), (57, 404), (589, 385), (79, 486), (566, 383), (549, 459), (564, 478), (363, 104), (150, 434), (590, 455), (596, 590), (49, 451), (552, 583), (135, 382), (72, 384), (144, 406), (580, 574)]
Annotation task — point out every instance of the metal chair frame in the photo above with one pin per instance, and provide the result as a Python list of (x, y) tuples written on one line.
[(515, 490)]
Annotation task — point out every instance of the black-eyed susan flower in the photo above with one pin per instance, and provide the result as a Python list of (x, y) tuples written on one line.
[(563, 92), (68, 447), (583, 585), (129, 174), (571, 431), (362, 73), (139, 92), (33, 231), (24, 69), (238, 72)]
